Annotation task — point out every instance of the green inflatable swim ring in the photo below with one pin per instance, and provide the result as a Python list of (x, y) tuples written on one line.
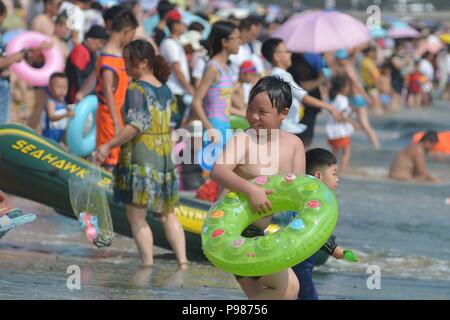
[(237, 122), (225, 248)]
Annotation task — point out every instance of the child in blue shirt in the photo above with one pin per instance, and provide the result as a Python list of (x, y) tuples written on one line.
[(321, 164), (55, 115)]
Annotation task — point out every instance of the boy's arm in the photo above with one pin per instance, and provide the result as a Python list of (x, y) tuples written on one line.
[(299, 166), (422, 169), (330, 245), (420, 161), (232, 155), (87, 87), (108, 85), (309, 85), (322, 105), (338, 252), (223, 174), (125, 135), (333, 249), (51, 112), (297, 92), (6, 62)]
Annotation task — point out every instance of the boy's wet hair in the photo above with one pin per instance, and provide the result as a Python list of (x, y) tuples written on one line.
[(268, 48), (430, 136), (317, 159), (278, 90)]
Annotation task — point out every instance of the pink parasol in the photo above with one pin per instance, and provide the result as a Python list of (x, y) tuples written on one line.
[(322, 31), (399, 31), (222, 4)]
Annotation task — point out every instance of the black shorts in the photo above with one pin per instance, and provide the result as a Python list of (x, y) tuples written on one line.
[(397, 85), (251, 232)]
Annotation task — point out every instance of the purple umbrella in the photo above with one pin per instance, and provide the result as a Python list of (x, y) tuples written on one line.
[(322, 31)]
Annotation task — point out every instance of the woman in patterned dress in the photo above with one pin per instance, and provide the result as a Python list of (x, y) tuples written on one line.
[(145, 176)]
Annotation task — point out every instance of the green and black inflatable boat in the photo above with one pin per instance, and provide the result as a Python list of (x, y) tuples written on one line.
[(38, 169)]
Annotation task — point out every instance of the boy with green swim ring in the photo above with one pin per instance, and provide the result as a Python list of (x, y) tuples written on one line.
[(321, 164), (269, 103)]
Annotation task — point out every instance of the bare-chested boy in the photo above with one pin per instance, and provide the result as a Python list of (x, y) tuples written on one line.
[(263, 150), (409, 164)]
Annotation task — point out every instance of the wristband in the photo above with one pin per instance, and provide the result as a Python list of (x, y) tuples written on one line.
[(329, 246)]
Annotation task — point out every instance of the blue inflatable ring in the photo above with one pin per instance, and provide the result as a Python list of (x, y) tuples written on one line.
[(207, 156), (78, 143)]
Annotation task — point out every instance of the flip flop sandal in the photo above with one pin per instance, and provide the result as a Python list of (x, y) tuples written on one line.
[(13, 219)]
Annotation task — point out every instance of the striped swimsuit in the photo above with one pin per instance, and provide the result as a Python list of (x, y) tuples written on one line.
[(217, 102)]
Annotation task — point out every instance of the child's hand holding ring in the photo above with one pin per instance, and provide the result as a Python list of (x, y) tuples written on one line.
[(259, 201)]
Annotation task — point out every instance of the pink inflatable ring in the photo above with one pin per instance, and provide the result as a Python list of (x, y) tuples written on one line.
[(33, 76)]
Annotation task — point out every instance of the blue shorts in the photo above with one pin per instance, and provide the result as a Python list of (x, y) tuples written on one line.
[(303, 271), (53, 134), (385, 99), (5, 100), (222, 126), (358, 101)]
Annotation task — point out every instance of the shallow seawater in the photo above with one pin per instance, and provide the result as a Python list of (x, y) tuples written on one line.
[(34, 262), (406, 239)]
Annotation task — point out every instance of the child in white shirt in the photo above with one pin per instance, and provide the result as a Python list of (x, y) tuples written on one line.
[(275, 51), (339, 133)]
